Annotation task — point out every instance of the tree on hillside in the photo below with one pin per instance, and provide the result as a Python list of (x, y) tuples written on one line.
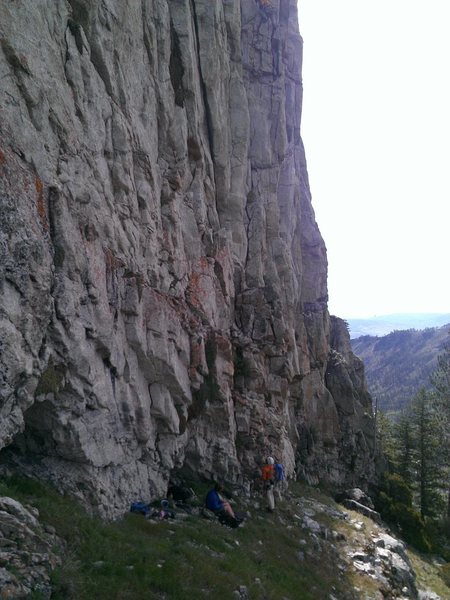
[(385, 439), (429, 467), (416, 445), (440, 379), (404, 448), (441, 386)]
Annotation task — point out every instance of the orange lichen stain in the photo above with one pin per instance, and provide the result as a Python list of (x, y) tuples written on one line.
[(195, 291), (203, 263), (199, 283), (40, 203), (111, 261), (193, 373), (223, 346), (98, 274)]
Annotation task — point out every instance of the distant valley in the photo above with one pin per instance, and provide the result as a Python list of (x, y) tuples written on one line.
[(399, 363), (384, 324)]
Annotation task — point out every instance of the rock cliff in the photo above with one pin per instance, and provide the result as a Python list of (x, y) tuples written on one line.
[(163, 298)]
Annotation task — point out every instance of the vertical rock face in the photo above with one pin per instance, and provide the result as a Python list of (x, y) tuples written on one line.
[(163, 281)]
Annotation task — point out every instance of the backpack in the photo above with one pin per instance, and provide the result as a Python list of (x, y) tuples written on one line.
[(267, 473), (140, 508), (279, 472)]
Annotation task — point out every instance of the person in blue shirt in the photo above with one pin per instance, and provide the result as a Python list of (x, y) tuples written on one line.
[(216, 503)]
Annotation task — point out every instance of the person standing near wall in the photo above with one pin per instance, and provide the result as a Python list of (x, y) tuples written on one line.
[(268, 478)]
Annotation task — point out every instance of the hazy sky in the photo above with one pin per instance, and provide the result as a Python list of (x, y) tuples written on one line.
[(376, 127)]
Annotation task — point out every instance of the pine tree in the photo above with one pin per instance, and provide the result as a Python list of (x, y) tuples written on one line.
[(427, 453), (385, 437), (441, 386), (441, 378), (404, 448)]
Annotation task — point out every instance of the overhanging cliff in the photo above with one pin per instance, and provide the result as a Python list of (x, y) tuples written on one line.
[(163, 280)]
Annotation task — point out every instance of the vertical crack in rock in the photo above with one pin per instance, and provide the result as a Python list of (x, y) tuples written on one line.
[(176, 68), (209, 126), (75, 30)]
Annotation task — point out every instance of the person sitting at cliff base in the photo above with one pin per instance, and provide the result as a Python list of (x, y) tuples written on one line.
[(216, 503)]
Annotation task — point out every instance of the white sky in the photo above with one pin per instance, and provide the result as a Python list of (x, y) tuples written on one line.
[(376, 128)]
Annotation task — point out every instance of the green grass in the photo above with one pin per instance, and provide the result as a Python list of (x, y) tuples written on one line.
[(134, 559), (430, 576)]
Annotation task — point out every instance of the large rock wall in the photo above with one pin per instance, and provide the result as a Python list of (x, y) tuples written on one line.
[(163, 281)]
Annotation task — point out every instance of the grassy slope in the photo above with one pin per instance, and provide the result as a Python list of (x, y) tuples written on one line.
[(272, 555)]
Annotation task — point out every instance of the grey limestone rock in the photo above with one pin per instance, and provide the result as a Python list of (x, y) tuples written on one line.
[(428, 595), (28, 552), (163, 299), (357, 495), (364, 510), (385, 560)]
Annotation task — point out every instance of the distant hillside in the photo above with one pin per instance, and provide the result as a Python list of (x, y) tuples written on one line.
[(384, 324), (398, 364)]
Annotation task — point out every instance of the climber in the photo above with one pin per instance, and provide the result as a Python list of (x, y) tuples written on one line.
[(216, 503), (268, 478)]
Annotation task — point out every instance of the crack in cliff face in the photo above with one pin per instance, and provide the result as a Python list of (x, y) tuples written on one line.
[(75, 30), (101, 67), (17, 62), (146, 36), (81, 13), (247, 230), (23, 78), (176, 68), (208, 116)]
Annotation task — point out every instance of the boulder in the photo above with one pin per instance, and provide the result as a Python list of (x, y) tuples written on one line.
[(364, 510), (29, 552), (357, 495)]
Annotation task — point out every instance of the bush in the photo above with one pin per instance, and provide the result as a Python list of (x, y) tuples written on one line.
[(394, 502), (413, 528), (445, 528), (445, 574), (398, 488), (439, 533)]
